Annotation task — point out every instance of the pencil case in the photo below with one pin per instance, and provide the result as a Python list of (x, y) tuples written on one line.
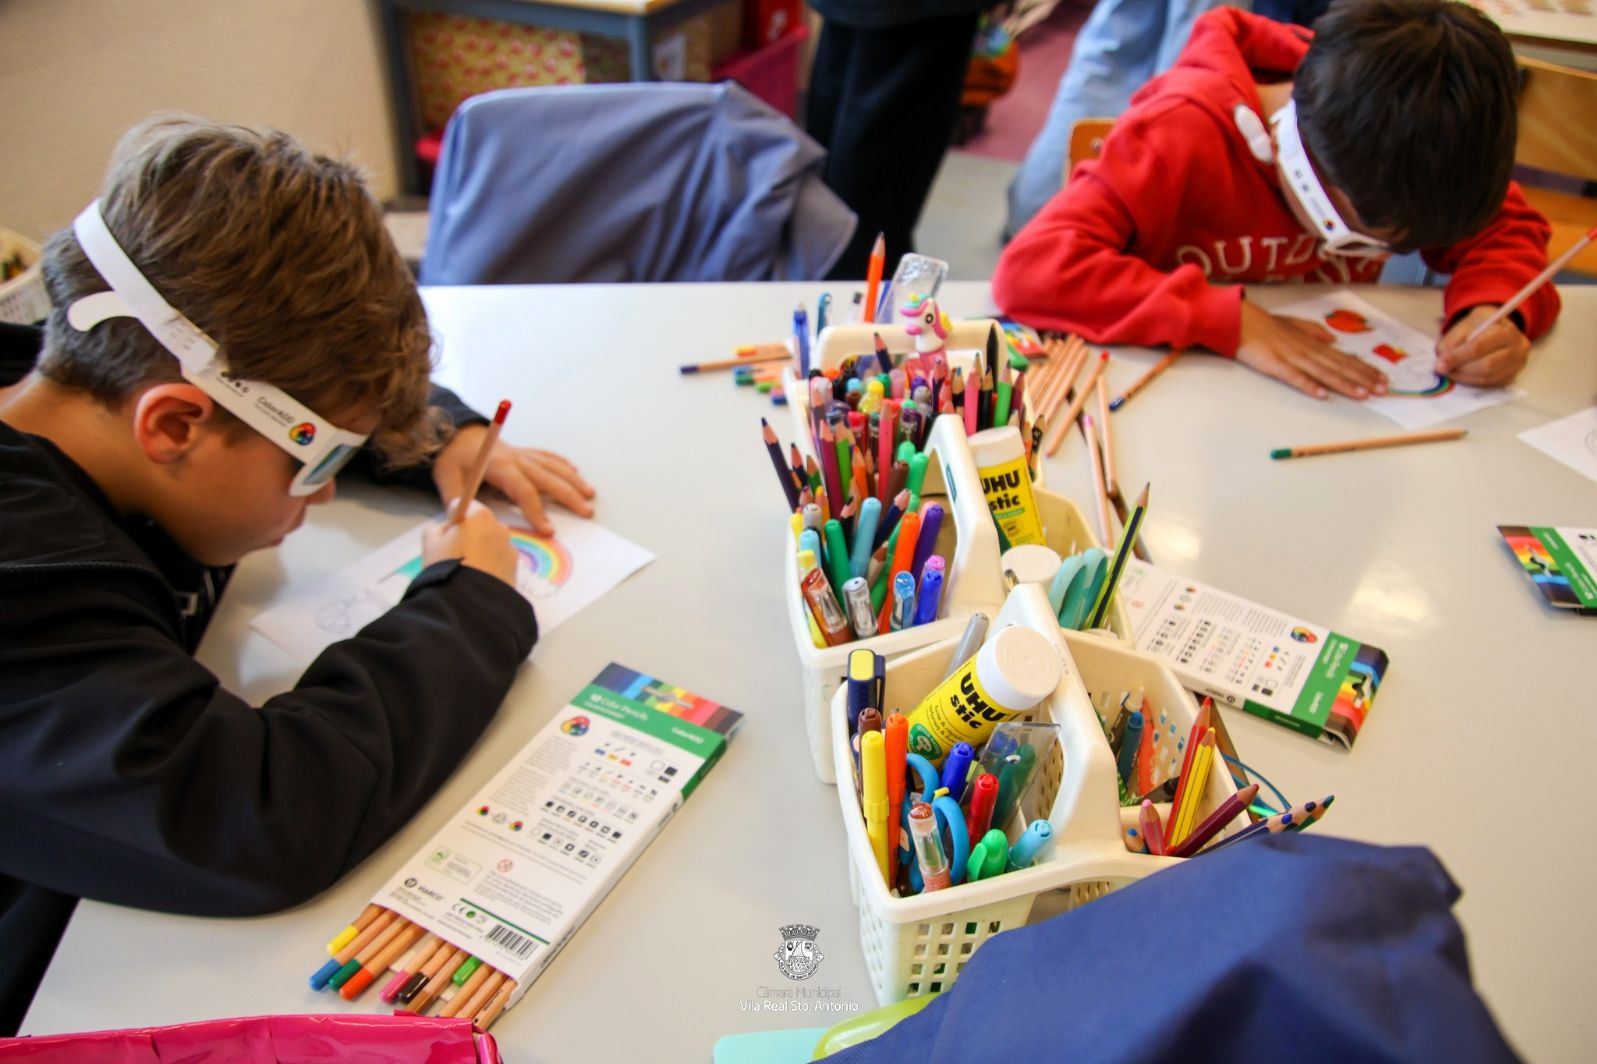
[(918, 944), (268, 1040), (973, 583)]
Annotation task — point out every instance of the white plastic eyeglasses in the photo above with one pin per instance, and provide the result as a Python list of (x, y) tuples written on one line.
[(321, 447), (1336, 236)]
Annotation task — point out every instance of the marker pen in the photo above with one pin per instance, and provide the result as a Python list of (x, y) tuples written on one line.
[(903, 613), (928, 847), (1024, 852), (857, 600), (930, 595), (956, 768)]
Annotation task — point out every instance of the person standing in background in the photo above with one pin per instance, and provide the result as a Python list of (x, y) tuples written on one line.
[(883, 98)]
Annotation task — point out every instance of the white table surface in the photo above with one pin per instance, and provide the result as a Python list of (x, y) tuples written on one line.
[(1476, 747)]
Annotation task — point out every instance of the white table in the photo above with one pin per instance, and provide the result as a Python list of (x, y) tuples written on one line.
[(1476, 747)]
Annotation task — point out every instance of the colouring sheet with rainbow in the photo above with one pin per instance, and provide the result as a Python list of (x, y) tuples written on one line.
[(559, 576), (1418, 396)]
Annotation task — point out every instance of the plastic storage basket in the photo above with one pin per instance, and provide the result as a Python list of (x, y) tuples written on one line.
[(973, 584), (22, 299), (918, 945)]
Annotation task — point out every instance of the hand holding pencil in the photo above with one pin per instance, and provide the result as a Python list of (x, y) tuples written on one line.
[(528, 477)]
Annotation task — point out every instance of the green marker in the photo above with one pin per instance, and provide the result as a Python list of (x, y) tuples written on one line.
[(1005, 391), (1083, 589), (917, 477), (989, 856), (906, 451), (469, 965), (837, 570)]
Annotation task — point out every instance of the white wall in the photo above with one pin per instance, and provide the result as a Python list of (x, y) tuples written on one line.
[(75, 74)]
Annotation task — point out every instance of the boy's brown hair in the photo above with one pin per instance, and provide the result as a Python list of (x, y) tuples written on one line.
[(279, 254)]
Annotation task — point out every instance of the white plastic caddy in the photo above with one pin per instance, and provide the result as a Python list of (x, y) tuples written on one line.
[(918, 945), (972, 583)]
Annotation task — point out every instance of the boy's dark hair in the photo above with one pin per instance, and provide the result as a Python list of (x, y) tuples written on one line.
[(278, 253), (1409, 107)]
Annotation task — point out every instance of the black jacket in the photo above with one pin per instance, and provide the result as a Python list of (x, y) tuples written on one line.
[(128, 775)]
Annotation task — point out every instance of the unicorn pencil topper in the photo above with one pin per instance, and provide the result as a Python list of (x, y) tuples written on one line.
[(929, 326)]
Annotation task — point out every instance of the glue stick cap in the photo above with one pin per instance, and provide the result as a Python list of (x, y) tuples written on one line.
[(1018, 668), (993, 446), (1032, 563)]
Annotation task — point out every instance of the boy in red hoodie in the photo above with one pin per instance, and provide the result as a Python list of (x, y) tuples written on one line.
[(1269, 153)]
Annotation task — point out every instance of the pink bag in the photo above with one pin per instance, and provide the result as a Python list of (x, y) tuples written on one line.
[(269, 1040)]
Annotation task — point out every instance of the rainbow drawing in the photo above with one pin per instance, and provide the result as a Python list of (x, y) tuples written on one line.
[(547, 559), (547, 567)]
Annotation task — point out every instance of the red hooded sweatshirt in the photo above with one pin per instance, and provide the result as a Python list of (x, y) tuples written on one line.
[(1147, 244)]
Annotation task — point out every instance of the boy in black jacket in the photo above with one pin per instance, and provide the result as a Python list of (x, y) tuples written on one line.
[(258, 328)]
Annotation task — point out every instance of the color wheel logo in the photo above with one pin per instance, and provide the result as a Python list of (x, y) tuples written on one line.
[(302, 433), (576, 726), (1303, 635)]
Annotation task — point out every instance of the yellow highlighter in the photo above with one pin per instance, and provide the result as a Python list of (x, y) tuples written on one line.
[(873, 769)]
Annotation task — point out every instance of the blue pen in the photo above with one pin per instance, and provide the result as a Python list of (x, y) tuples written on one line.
[(801, 336), (903, 615), (930, 596), (865, 523), (956, 768), (1126, 764), (1024, 852)]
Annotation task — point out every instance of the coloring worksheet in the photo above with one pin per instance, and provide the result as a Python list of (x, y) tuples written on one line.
[(559, 576), (1418, 396), (1571, 440)]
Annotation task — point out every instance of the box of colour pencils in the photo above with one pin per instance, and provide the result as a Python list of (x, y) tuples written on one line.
[(1561, 562), (513, 875), (1274, 665)]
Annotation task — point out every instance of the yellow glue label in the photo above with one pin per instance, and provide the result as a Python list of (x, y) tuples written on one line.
[(958, 710), (1008, 490)]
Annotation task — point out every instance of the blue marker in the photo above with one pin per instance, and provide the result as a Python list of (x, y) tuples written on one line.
[(1127, 762), (870, 513), (930, 596), (956, 768), (903, 615), (1024, 852), (801, 336), (821, 309)]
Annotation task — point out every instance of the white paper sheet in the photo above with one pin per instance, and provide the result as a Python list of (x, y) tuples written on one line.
[(1418, 395), (558, 576), (1571, 440)]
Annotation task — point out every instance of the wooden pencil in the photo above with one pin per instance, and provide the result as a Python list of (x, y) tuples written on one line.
[(1099, 496), (465, 990), (484, 994), (1056, 432), (490, 1012), (440, 979), (1370, 443), (1143, 381), (1107, 434), (480, 466), (730, 363)]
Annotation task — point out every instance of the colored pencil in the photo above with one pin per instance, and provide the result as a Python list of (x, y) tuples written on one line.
[(346, 936), (1056, 431), (1276, 825), (1128, 539), (1143, 381), (439, 980), (1186, 811), (490, 1012), (381, 961), (1152, 829), (733, 363), (784, 472), (1534, 283), (1211, 824), (1106, 433), (1099, 494), (464, 992), (873, 274), (475, 1003), (480, 466), (1369, 443)]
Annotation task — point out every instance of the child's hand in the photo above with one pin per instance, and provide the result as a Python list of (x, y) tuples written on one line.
[(1495, 357), (525, 476), (1299, 353), (479, 541)]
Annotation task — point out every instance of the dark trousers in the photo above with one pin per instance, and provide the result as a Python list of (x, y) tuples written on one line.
[(883, 102)]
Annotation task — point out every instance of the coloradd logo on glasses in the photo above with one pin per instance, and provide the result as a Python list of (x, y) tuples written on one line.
[(799, 957), (302, 433)]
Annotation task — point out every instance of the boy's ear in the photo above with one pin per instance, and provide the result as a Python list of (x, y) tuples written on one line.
[(169, 420)]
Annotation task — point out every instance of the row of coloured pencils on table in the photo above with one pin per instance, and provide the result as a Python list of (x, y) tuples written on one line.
[(427, 970)]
